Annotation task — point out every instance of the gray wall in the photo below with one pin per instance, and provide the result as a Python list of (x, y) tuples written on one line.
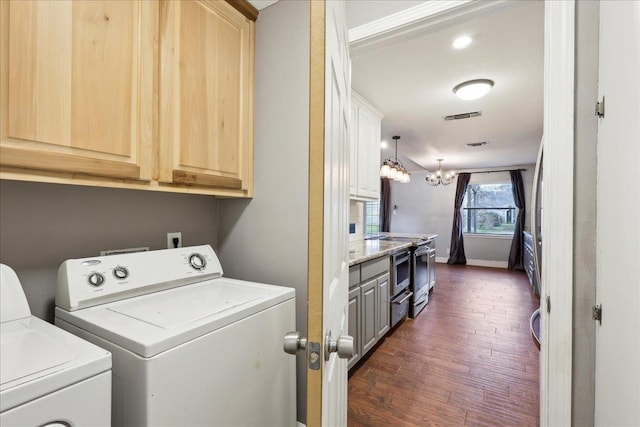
[(425, 209), (584, 246), (41, 225), (265, 239)]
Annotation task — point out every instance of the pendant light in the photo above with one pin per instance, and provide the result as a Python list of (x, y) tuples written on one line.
[(438, 178), (394, 169)]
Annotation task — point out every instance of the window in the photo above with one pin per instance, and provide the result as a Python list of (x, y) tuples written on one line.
[(372, 217), (489, 209)]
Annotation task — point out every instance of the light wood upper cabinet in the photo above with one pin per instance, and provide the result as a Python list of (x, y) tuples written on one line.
[(77, 86), (206, 87), (138, 94)]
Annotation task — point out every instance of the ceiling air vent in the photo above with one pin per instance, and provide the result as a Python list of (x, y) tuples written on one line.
[(477, 144), (463, 115)]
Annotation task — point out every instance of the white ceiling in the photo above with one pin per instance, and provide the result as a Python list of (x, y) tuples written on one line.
[(261, 4), (411, 82)]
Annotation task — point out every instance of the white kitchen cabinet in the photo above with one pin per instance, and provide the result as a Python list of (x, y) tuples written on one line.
[(366, 123)]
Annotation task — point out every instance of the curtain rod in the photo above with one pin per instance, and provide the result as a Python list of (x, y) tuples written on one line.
[(489, 171)]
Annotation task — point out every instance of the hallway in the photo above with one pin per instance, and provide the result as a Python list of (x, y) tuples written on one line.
[(468, 359)]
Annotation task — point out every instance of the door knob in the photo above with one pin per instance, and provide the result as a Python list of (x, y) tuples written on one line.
[(294, 342), (343, 346)]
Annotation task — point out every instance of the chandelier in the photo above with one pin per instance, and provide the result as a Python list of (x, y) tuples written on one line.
[(437, 178), (394, 169)]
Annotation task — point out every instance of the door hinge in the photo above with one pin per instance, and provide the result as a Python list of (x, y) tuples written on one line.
[(548, 303), (600, 108), (596, 313)]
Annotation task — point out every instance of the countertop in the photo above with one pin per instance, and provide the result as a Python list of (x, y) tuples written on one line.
[(371, 247)]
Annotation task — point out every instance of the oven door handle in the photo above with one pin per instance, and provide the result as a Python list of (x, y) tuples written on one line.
[(420, 252), (399, 259), (409, 295)]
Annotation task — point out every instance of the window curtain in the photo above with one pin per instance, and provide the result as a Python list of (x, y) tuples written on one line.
[(516, 254), (456, 253), (385, 205)]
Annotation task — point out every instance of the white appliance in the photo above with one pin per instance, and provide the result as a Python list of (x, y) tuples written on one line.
[(48, 376), (190, 347)]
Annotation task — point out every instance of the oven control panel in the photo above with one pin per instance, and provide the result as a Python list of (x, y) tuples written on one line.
[(90, 281)]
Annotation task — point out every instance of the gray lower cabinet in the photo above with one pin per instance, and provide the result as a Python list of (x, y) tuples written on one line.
[(355, 312), (369, 308), (368, 291), (384, 306)]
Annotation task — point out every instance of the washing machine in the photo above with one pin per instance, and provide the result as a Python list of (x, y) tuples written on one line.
[(48, 377), (190, 347)]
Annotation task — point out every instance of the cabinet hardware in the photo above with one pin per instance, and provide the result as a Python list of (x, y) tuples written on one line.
[(600, 108), (596, 313)]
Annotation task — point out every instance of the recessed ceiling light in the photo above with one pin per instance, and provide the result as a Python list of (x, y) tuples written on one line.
[(384, 144), (473, 89), (462, 42)]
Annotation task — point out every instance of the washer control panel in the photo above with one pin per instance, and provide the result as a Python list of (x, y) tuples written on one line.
[(95, 279), (120, 272), (197, 261), (92, 281)]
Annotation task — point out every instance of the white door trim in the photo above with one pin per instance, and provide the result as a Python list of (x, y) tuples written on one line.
[(557, 254), (557, 221)]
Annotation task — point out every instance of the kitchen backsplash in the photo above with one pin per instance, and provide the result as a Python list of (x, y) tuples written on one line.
[(356, 216)]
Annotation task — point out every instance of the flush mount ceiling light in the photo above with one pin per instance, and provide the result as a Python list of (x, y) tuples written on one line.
[(462, 42), (394, 169), (473, 89), (384, 144), (438, 178)]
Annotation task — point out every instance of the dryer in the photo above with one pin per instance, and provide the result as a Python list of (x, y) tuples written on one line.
[(190, 347), (48, 377)]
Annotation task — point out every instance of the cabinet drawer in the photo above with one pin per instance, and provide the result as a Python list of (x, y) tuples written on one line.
[(374, 268), (354, 276)]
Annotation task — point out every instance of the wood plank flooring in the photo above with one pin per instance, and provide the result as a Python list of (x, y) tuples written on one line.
[(467, 359)]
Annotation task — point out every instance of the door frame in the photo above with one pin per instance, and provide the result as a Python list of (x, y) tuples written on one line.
[(557, 220), (315, 262)]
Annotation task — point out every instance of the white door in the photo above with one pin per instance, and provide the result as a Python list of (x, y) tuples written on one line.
[(330, 86), (618, 217)]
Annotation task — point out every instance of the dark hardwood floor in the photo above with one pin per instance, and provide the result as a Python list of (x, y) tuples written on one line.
[(467, 359)]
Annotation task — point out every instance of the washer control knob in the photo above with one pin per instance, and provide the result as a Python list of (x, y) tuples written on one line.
[(120, 272), (197, 261), (95, 279)]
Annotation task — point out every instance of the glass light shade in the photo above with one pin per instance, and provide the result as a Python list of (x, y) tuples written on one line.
[(384, 170), (473, 89), (392, 173)]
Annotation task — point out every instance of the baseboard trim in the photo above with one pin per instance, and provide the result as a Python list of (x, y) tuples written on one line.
[(477, 262)]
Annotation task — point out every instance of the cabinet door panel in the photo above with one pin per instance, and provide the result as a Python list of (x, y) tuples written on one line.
[(79, 86), (369, 318), (365, 135), (374, 160), (353, 152), (355, 313), (383, 306), (206, 95)]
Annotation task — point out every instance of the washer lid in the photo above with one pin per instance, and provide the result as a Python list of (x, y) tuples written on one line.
[(26, 351), (13, 302), (170, 310), (151, 324), (38, 358)]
